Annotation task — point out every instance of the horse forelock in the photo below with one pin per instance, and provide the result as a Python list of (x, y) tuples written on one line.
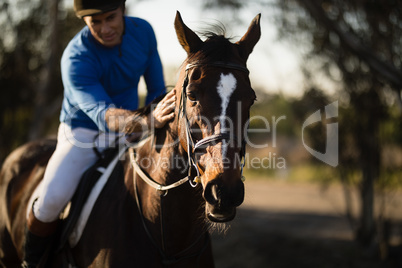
[(216, 48)]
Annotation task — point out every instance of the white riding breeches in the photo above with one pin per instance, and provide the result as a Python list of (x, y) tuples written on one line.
[(74, 154)]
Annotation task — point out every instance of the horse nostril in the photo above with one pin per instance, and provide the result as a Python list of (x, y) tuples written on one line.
[(211, 193), (224, 196), (214, 190)]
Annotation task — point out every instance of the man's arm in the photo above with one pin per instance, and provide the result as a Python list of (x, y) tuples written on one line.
[(125, 121)]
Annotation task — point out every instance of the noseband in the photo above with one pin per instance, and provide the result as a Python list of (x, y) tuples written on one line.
[(222, 136)]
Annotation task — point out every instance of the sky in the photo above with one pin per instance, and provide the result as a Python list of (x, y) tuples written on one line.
[(273, 65)]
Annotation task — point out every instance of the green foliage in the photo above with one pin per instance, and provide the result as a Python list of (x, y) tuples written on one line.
[(296, 111), (272, 107)]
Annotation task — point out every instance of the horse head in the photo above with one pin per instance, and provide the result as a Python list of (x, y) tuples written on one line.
[(215, 98)]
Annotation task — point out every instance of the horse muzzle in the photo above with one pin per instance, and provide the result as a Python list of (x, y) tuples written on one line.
[(223, 199)]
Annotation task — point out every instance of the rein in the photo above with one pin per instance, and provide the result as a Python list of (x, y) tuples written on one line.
[(150, 181), (193, 180)]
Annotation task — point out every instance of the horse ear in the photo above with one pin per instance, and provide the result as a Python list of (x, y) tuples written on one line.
[(250, 38), (187, 38)]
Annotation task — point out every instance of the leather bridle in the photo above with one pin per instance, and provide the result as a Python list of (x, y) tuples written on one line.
[(222, 136), (191, 146)]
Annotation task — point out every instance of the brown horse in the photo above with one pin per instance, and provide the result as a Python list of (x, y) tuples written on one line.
[(155, 210)]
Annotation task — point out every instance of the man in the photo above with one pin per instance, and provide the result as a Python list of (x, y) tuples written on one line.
[(101, 68)]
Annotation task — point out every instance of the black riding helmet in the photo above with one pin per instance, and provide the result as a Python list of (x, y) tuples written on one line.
[(84, 8)]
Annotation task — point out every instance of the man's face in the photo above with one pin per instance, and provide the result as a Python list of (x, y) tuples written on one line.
[(107, 28)]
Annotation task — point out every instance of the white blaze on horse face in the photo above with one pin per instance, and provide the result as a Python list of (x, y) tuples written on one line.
[(226, 86)]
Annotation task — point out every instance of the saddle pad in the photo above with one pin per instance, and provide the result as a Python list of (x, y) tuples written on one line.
[(79, 225), (77, 212)]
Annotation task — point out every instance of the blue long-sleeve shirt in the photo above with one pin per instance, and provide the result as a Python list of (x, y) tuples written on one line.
[(96, 77)]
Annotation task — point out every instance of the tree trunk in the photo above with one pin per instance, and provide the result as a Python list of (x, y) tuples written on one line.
[(369, 144), (366, 231), (348, 198)]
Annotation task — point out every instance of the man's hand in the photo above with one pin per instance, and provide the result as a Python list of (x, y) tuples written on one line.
[(121, 120), (164, 111)]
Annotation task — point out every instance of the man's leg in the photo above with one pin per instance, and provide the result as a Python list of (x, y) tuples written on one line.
[(73, 155), (38, 236)]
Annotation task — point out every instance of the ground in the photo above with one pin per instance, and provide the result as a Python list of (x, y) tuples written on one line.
[(300, 225)]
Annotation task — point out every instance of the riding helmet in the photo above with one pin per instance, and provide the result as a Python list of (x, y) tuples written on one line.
[(84, 8)]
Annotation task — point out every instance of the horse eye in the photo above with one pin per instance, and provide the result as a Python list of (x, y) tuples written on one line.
[(191, 91), (196, 74), (191, 96)]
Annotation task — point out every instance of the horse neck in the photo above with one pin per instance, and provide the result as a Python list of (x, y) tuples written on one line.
[(180, 212)]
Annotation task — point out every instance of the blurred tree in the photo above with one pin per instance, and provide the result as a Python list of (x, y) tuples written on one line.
[(30, 81), (312, 100), (357, 44), (361, 41), (44, 104)]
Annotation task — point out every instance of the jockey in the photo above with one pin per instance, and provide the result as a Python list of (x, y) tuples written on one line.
[(101, 68)]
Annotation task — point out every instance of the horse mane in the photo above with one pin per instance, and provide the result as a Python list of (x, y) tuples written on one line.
[(147, 108), (216, 47)]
